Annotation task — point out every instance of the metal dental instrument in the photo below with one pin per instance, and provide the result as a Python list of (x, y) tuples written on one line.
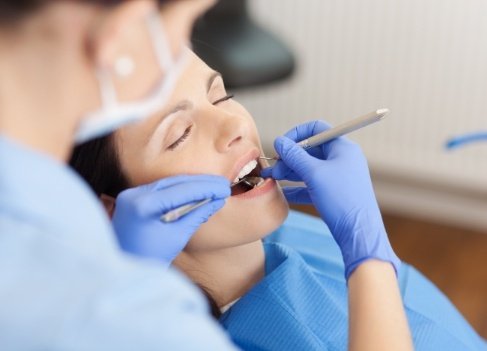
[(177, 213), (339, 130)]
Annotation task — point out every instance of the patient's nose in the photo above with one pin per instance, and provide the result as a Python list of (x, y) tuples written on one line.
[(231, 130)]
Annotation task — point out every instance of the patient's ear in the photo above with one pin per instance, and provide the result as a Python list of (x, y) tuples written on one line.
[(109, 203)]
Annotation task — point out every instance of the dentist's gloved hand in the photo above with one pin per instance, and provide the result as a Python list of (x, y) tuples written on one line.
[(338, 184), (136, 218)]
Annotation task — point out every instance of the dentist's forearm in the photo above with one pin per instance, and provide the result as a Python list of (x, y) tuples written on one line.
[(377, 317)]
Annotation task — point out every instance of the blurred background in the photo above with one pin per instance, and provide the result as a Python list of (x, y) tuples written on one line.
[(426, 60)]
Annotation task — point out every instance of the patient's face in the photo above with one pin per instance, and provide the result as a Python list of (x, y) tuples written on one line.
[(203, 131)]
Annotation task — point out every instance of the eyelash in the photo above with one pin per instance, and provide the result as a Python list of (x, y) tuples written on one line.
[(225, 98), (188, 130), (181, 139)]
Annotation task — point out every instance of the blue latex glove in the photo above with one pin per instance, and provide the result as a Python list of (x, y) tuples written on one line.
[(338, 184), (136, 219)]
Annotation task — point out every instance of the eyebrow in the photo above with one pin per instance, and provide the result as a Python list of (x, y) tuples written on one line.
[(186, 104), (181, 106)]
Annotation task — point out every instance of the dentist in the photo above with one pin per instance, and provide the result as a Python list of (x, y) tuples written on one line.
[(71, 71)]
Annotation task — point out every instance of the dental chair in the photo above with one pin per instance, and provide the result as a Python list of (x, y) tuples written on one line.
[(245, 53)]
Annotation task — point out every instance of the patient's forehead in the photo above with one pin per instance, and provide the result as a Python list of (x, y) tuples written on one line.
[(195, 66), (192, 83)]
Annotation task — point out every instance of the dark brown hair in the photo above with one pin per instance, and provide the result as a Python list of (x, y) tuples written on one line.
[(98, 163), (12, 11)]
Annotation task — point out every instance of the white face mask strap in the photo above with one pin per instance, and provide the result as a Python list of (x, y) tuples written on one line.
[(107, 89), (114, 114), (160, 41), (163, 55)]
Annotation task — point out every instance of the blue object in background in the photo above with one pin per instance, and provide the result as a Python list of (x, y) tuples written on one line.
[(463, 140)]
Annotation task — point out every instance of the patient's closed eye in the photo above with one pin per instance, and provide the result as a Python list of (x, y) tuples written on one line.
[(187, 131), (182, 138), (225, 98)]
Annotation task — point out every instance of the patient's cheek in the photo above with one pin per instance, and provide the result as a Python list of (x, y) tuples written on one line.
[(238, 225)]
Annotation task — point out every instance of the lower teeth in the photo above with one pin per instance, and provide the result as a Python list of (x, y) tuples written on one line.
[(254, 181), (247, 184)]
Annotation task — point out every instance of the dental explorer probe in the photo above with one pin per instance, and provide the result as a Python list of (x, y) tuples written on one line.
[(178, 212), (339, 130)]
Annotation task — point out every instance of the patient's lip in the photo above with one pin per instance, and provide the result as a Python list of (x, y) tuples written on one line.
[(249, 156)]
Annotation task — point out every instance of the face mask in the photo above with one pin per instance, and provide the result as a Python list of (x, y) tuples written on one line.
[(114, 114)]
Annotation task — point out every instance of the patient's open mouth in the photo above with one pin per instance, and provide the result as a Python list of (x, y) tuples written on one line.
[(248, 178)]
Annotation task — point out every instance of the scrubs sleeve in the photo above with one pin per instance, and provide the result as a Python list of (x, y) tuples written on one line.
[(54, 298)]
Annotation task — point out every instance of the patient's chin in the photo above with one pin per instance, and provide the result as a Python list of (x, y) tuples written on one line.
[(228, 229)]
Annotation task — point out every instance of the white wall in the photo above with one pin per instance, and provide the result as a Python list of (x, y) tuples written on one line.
[(425, 60)]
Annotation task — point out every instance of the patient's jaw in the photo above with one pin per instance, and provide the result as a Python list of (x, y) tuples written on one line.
[(203, 131)]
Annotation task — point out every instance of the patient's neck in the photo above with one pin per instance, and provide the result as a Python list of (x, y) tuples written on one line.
[(226, 274)]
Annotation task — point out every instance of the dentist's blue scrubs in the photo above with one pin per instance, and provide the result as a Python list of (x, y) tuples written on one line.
[(64, 284), (302, 304)]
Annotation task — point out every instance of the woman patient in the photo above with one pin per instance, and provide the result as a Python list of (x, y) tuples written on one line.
[(270, 297)]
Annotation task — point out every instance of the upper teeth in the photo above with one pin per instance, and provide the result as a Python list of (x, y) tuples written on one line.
[(246, 170)]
